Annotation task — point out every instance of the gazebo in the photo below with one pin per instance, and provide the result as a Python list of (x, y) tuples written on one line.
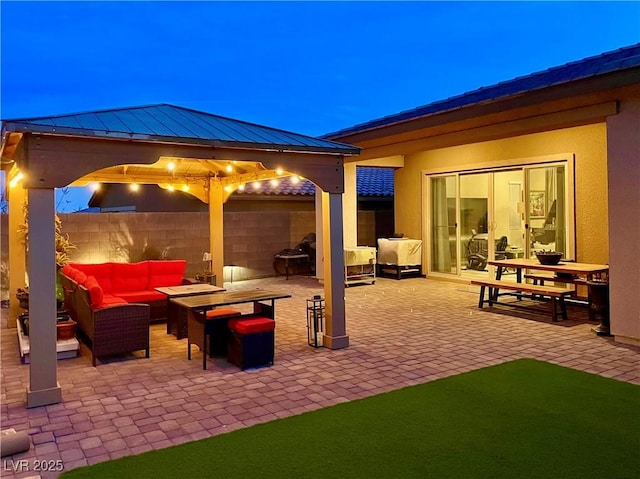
[(208, 156)]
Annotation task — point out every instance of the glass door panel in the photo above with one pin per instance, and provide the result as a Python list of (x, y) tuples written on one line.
[(443, 225), (546, 210), (474, 221), (507, 220)]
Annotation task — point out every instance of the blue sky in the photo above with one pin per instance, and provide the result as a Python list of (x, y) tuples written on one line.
[(308, 67)]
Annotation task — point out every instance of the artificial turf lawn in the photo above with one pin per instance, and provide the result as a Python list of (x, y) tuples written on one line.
[(521, 419)]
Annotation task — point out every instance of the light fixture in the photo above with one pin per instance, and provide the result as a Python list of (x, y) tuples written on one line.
[(279, 171), (228, 188), (229, 168), (171, 188), (16, 179), (241, 187), (274, 182), (171, 166), (185, 187), (295, 179), (95, 186), (134, 186), (256, 185)]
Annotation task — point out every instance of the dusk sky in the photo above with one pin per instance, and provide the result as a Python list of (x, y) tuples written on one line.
[(307, 67)]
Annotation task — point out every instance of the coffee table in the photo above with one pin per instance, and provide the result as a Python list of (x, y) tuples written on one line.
[(177, 322)]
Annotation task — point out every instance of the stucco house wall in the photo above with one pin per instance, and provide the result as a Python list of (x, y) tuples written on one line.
[(586, 143)]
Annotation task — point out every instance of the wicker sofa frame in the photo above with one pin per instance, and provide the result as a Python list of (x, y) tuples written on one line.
[(111, 330)]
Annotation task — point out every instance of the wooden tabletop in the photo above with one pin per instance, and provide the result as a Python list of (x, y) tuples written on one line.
[(562, 267), (205, 301), (187, 289)]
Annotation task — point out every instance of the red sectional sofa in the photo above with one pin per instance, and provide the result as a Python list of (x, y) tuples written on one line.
[(113, 303)]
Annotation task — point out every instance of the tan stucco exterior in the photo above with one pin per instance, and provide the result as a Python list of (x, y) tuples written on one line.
[(586, 143)]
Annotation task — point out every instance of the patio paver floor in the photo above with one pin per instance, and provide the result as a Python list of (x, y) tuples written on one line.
[(401, 333)]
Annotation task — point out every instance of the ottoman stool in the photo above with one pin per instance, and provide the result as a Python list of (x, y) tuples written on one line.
[(210, 333), (251, 342)]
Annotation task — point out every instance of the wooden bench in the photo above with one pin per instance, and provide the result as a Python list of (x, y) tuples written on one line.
[(556, 294), (558, 279)]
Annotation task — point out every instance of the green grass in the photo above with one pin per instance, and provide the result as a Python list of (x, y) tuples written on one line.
[(521, 419)]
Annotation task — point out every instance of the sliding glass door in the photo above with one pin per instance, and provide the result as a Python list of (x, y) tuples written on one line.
[(500, 214), (546, 209)]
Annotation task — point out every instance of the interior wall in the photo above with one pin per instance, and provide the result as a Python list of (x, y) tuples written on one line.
[(587, 143)]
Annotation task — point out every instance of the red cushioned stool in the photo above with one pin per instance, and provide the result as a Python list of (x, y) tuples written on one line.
[(211, 335), (218, 330), (251, 342)]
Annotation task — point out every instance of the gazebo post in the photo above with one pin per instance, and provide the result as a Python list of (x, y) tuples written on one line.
[(335, 336), (43, 383), (216, 228), (17, 251), (350, 206)]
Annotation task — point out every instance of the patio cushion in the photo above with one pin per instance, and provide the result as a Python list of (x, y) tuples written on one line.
[(254, 325), (142, 296), (76, 275), (166, 273), (100, 271), (129, 277), (95, 291), (222, 313), (110, 300)]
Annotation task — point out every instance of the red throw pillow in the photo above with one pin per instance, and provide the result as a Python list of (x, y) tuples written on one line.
[(95, 291)]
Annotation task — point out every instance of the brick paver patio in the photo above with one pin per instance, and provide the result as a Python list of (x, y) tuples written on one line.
[(401, 333)]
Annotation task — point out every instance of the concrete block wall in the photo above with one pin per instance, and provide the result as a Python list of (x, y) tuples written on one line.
[(251, 238)]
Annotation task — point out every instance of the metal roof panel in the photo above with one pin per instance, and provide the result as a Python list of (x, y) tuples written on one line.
[(164, 122)]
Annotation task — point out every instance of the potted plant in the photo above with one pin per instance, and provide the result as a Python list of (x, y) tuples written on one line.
[(65, 325)]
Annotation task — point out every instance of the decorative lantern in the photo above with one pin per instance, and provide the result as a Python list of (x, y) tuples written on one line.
[(315, 320)]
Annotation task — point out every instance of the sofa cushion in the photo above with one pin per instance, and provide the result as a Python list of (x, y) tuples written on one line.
[(129, 277), (95, 291), (101, 271), (76, 275), (166, 273), (110, 300), (143, 296)]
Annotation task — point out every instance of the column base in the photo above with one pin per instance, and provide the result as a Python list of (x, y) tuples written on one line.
[(44, 397), (335, 342)]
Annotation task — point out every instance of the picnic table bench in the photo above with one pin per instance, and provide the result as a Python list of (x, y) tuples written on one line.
[(555, 293)]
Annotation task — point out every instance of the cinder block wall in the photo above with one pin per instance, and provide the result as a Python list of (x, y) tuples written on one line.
[(250, 238)]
